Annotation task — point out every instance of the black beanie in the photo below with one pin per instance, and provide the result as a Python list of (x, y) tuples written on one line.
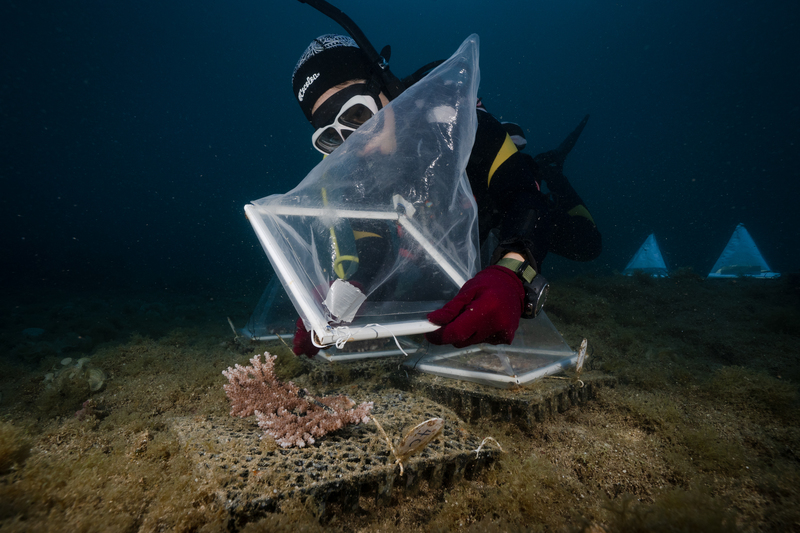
[(328, 61)]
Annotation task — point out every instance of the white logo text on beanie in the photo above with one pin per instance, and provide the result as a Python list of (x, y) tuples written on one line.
[(306, 85)]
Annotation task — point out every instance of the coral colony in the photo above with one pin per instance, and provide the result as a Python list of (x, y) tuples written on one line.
[(284, 411)]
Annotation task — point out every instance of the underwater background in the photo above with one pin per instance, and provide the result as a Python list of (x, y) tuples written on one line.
[(132, 135)]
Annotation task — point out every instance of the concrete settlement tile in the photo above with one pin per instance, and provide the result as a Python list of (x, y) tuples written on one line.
[(252, 476)]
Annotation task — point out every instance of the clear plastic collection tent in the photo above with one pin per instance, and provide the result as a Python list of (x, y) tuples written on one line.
[(741, 257), (274, 315), (648, 260), (384, 230), (538, 350)]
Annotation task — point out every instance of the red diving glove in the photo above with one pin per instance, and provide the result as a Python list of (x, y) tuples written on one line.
[(486, 309), (302, 341)]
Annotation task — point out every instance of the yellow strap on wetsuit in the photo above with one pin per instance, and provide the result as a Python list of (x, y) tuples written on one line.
[(337, 262), (580, 211), (507, 150), (364, 234)]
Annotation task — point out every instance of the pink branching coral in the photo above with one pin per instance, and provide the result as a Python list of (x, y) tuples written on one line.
[(283, 410)]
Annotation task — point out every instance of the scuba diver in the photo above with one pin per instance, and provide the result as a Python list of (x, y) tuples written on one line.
[(340, 82)]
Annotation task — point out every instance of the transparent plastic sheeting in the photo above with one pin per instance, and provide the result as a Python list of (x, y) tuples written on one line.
[(538, 350), (741, 257), (647, 260), (384, 230), (274, 315)]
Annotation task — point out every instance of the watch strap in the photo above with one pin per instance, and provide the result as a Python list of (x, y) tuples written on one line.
[(522, 269)]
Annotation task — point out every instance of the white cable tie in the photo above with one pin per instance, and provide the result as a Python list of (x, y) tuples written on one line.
[(315, 343), (342, 334), (393, 336)]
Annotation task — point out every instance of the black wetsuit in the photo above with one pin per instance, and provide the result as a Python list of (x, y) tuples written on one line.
[(507, 188)]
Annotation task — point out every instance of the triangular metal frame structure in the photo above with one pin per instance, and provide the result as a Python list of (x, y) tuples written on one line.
[(741, 258), (648, 260)]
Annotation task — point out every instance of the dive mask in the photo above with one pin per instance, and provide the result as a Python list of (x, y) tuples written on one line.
[(340, 115)]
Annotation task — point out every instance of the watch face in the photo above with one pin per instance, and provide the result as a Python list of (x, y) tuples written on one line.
[(535, 296)]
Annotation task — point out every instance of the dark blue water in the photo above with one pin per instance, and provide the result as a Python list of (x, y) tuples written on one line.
[(133, 133)]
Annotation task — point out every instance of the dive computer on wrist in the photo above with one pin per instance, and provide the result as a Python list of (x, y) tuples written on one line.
[(535, 285)]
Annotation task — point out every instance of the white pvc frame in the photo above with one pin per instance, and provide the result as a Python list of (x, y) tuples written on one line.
[(324, 333), (324, 355), (498, 379)]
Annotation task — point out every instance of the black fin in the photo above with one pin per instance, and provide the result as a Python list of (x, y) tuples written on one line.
[(552, 162), (569, 143)]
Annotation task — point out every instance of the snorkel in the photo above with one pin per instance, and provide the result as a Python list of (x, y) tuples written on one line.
[(380, 62)]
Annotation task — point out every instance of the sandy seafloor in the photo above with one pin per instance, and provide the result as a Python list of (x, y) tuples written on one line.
[(701, 432)]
